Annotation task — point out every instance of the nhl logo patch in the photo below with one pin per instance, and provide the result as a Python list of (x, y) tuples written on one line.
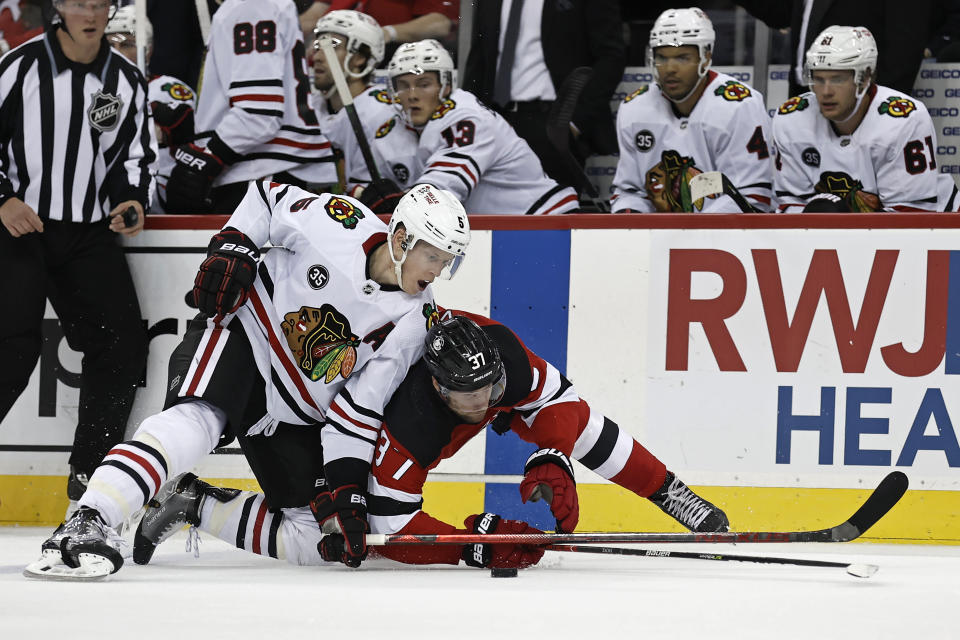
[(104, 111)]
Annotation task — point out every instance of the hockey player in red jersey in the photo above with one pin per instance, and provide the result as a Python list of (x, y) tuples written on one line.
[(295, 355), (475, 373)]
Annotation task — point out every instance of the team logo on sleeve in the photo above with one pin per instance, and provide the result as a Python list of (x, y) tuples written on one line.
[(321, 342), (445, 107), (431, 314), (897, 107), (104, 111), (343, 211), (733, 91), (849, 189), (178, 91), (381, 95), (385, 128), (668, 184), (639, 92), (796, 103)]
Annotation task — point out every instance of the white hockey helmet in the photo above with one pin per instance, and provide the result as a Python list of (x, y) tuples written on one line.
[(420, 57), (436, 217), (359, 29), (125, 21), (679, 28), (842, 48)]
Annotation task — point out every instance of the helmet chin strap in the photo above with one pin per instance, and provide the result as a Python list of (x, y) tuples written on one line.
[(696, 85), (398, 264)]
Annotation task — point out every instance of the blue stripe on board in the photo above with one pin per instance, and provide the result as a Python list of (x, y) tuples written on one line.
[(952, 359), (530, 290)]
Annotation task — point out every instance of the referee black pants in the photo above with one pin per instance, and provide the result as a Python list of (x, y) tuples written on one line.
[(82, 270)]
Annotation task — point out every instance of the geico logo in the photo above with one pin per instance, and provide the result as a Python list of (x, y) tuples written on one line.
[(779, 75), (946, 151), (940, 73), (951, 131), (638, 77), (950, 168), (952, 93), (601, 171), (742, 76), (923, 93), (944, 112)]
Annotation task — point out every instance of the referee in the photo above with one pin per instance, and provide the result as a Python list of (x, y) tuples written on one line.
[(76, 145)]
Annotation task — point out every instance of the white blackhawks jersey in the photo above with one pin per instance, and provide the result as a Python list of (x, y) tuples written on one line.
[(728, 131), (374, 107), (472, 151), (331, 344), (887, 164), (255, 108), (173, 93)]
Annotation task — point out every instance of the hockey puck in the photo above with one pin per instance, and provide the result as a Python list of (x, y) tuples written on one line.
[(503, 573)]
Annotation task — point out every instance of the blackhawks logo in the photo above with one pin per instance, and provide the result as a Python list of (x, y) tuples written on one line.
[(897, 107), (849, 189), (445, 107), (668, 184), (343, 212), (178, 91), (381, 95), (733, 91), (321, 342), (386, 128), (796, 103), (639, 92), (431, 314)]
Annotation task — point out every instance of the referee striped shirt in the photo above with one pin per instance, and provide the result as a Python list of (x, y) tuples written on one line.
[(76, 139)]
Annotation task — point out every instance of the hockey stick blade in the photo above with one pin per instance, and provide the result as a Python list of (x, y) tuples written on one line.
[(883, 498), (704, 185), (855, 569)]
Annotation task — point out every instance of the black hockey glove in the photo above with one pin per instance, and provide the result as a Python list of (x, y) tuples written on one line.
[(176, 123), (827, 203), (342, 515), (188, 189), (381, 196), (226, 276)]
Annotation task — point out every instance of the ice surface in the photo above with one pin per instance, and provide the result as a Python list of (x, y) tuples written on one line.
[(228, 593)]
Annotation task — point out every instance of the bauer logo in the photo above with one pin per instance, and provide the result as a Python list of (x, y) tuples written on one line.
[(104, 111)]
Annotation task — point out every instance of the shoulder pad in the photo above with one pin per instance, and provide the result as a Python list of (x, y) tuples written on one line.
[(733, 91), (639, 92), (897, 107), (796, 103), (386, 128), (445, 107), (381, 95)]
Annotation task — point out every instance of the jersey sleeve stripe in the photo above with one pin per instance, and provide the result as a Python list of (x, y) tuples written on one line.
[(273, 82), (465, 168), (345, 430), (335, 408), (255, 97), (463, 156), (263, 112), (424, 178), (569, 199), (360, 410), (300, 145)]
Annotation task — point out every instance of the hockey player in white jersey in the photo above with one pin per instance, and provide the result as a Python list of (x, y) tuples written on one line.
[(255, 116), (444, 136), (357, 40), (172, 102), (850, 144), (692, 120), (295, 355)]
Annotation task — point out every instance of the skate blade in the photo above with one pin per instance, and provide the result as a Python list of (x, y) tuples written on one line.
[(50, 566)]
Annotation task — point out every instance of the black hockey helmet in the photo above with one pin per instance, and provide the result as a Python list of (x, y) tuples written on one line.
[(461, 357)]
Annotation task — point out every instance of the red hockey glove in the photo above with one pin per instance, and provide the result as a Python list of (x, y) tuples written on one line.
[(548, 475), (381, 196), (342, 515), (508, 556), (226, 276), (188, 189)]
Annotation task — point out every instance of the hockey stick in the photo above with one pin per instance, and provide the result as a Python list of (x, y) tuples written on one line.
[(347, 99), (883, 498), (714, 183), (859, 570), (558, 126)]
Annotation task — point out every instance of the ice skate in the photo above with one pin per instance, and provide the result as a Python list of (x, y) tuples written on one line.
[(82, 548), (678, 501), (177, 504)]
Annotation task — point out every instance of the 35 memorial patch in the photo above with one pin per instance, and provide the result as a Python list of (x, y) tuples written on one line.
[(897, 107), (733, 91), (343, 211)]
